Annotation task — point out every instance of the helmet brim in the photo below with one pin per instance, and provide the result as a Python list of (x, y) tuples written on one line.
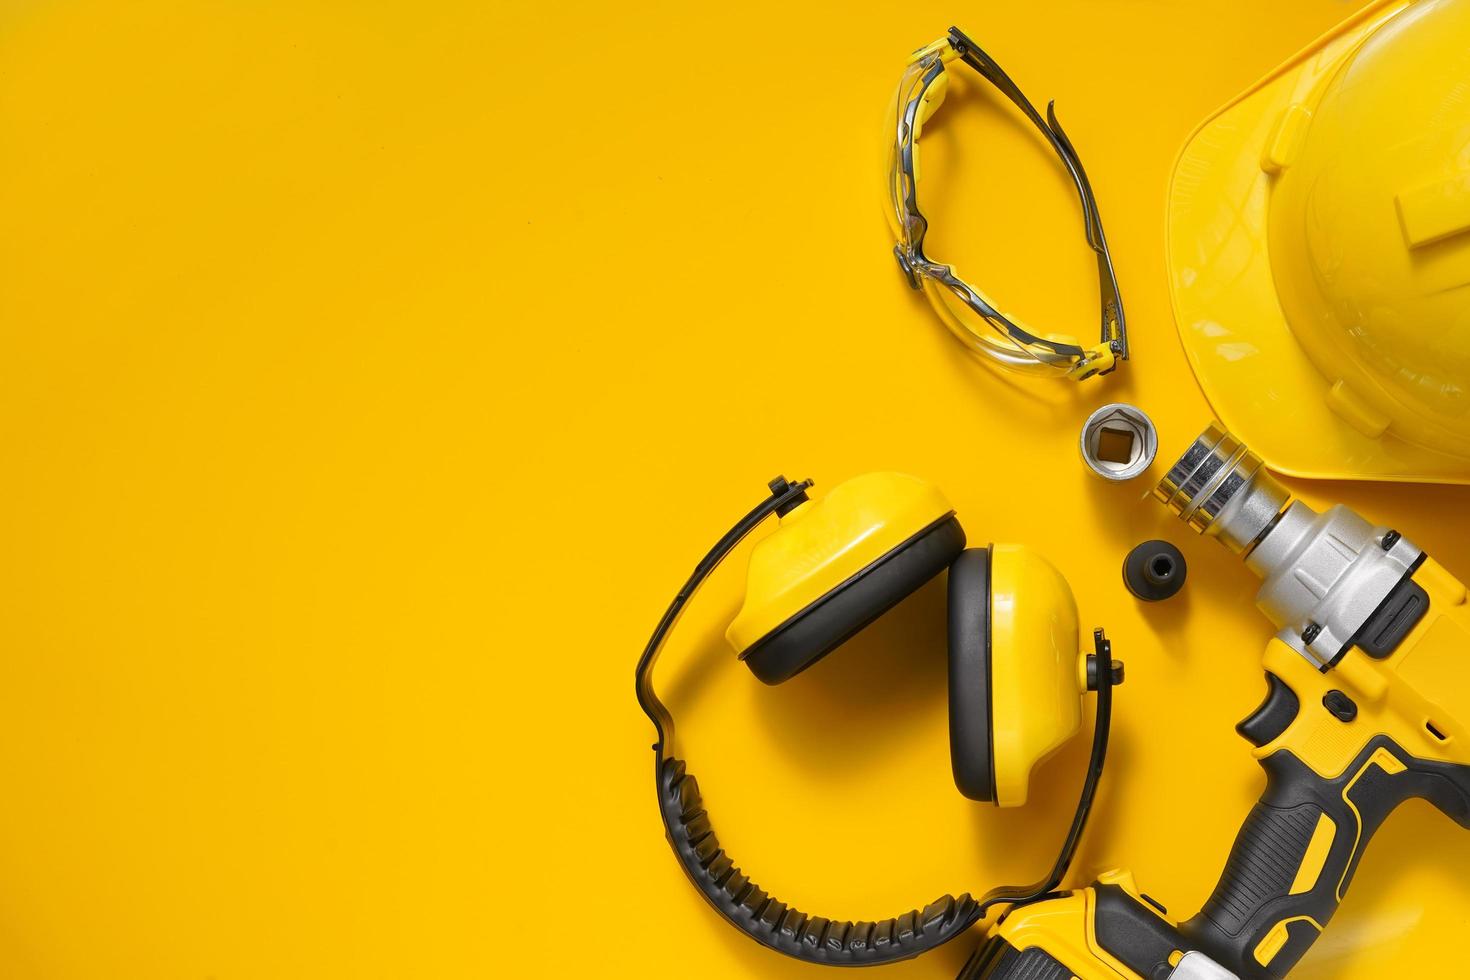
[(1257, 378)]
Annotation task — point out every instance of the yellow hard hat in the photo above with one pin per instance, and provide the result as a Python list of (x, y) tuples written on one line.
[(1319, 251)]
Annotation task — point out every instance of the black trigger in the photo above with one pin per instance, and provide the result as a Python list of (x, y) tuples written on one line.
[(1273, 716)]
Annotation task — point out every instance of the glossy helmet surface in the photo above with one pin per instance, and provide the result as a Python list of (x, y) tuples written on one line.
[(1319, 252)]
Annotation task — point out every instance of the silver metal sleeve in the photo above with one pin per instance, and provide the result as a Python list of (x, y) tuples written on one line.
[(1324, 575)]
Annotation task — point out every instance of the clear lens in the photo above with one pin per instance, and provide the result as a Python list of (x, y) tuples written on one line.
[(989, 337), (968, 313), (958, 306)]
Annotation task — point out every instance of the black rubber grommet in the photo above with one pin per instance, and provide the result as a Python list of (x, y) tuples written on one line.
[(1154, 570)]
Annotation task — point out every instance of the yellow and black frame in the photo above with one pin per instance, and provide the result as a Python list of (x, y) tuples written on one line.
[(1004, 339)]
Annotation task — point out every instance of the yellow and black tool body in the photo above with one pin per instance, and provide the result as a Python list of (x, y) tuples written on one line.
[(1367, 706), (1107, 931), (1342, 748)]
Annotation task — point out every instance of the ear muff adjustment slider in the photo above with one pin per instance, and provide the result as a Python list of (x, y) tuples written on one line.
[(1115, 671), (791, 495)]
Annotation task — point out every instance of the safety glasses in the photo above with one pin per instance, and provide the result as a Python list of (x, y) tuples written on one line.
[(967, 311)]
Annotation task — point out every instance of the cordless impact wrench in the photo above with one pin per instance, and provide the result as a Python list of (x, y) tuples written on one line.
[(1367, 705)]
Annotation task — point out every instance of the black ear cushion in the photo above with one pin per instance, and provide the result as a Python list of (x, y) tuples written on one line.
[(970, 747), (825, 624)]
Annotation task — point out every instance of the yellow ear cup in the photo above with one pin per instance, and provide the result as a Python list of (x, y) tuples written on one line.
[(1037, 671), (836, 564)]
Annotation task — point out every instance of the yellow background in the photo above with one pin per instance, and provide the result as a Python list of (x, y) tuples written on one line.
[(373, 374)]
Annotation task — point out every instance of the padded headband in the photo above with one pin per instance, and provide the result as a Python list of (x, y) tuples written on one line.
[(775, 924), (749, 908)]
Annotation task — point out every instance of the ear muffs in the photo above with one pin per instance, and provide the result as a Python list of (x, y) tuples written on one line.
[(830, 569), (837, 564)]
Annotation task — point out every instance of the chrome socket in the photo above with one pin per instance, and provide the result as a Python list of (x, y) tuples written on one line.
[(1221, 489), (1118, 442), (1322, 575)]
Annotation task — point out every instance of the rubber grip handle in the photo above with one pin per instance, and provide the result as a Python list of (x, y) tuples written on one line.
[(775, 924), (1296, 853), (997, 959)]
